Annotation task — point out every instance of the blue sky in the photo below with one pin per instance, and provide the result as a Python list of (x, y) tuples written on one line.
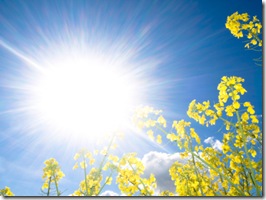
[(179, 50)]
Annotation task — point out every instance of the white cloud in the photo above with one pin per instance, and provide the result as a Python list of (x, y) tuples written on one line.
[(159, 164), (109, 193), (217, 145), (209, 140)]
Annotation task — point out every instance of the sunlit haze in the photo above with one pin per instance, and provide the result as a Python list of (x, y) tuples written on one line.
[(83, 95)]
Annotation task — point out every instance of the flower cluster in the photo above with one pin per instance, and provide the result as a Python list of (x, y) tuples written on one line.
[(86, 158), (237, 171), (148, 117), (52, 174), (237, 23), (129, 178), (91, 185), (229, 88), (236, 167), (6, 192), (189, 182), (182, 137)]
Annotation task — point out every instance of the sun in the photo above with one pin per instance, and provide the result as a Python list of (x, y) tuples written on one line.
[(83, 95)]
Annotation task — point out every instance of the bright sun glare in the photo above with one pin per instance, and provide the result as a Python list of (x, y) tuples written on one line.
[(84, 95)]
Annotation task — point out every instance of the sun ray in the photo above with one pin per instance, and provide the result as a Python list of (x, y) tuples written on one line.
[(26, 59)]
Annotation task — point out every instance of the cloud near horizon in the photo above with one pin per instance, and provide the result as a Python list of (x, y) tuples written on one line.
[(159, 163), (109, 193)]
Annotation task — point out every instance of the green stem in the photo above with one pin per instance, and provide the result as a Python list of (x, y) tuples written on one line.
[(103, 161), (158, 127), (196, 171), (56, 187), (105, 156), (213, 168), (226, 121), (245, 181), (195, 168), (135, 185), (221, 178), (140, 180), (49, 186), (188, 189), (247, 154), (105, 183), (85, 174)]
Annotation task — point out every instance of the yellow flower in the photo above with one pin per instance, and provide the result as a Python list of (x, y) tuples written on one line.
[(202, 120), (229, 110), (239, 142), (227, 126), (236, 159), (258, 177), (193, 134), (201, 148), (166, 193), (159, 139), (44, 186), (150, 134), (254, 119), (92, 160), (197, 140), (77, 193), (227, 136), (104, 151), (236, 179), (76, 156), (6, 192), (106, 166), (225, 148), (253, 142), (88, 155), (247, 104), (245, 116), (233, 165), (252, 152), (251, 110), (236, 105), (51, 173), (150, 123), (75, 166), (237, 23), (161, 121), (196, 148), (83, 164), (254, 42), (184, 154), (249, 36), (172, 137), (108, 180), (113, 158)]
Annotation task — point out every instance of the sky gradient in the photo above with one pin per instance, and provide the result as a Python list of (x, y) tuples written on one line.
[(177, 50)]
